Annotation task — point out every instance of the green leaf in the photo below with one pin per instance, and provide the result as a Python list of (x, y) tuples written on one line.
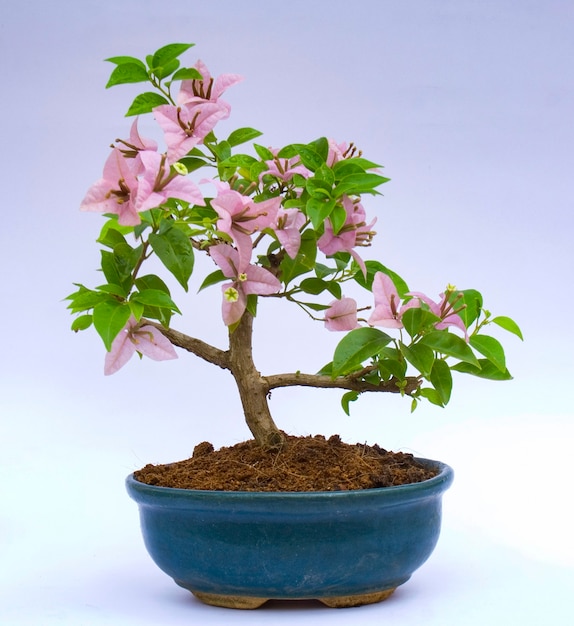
[(175, 251), (192, 163), (316, 286), (115, 290), (109, 319), (389, 368), (155, 298), (325, 173), (145, 103), (450, 345), (239, 160), (508, 324), (110, 236), (354, 165), (372, 268), (151, 281), (357, 346), (81, 323), (212, 279), (310, 158), (264, 153), (257, 169), (431, 395), (163, 71), (338, 217), (416, 320), (473, 301), (242, 135), (251, 304), (356, 184), (138, 309), (127, 73), (168, 53), (109, 268), (84, 299), (315, 306), (303, 262), (319, 209), (491, 348), (187, 73), (486, 369), (125, 259), (419, 356), (321, 147), (318, 188), (441, 379), (123, 60), (222, 150), (350, 396)]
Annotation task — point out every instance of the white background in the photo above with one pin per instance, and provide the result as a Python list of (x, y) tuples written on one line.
[(469, 106)]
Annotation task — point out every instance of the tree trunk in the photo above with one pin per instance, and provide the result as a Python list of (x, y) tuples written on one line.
[(253, 389)]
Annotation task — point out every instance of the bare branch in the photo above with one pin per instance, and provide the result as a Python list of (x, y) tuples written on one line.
[(349, 382), (200, 348)]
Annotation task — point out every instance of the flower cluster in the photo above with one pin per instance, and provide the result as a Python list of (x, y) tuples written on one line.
[(281, 222)]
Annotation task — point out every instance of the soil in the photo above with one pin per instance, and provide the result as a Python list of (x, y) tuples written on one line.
[(303, 464)]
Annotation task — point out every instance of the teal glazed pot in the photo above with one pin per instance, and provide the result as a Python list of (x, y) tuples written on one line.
[(239, 549)]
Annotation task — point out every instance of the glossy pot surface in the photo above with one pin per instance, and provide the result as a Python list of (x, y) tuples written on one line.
[(292, 545)]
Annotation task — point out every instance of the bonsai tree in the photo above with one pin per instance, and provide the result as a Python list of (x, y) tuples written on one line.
[(282, 223)]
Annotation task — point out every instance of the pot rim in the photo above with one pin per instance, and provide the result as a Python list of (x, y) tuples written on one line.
[(142, 492)]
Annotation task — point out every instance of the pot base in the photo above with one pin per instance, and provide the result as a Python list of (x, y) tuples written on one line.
[(250, 602)]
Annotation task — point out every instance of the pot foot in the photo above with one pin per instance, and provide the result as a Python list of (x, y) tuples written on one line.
[(343, 602), (250, 602), (230, 602)]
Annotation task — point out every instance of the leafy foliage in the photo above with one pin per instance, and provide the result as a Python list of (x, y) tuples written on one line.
[(297, 209)]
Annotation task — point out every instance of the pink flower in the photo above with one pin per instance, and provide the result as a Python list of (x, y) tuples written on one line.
[(445, 310), (247, 279), (342, 315), (287, 227), (131, 147), (195, 90), (186, 126), (337, 152), (387, 300), (198, 110), (355, 232), (146, 340), (129, 187), (121, 192), (285, 169), (240, 217)]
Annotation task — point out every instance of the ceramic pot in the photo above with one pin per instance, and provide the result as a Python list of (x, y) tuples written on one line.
[(240, 549)]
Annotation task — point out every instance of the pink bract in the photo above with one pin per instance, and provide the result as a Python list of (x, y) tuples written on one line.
[(247, 279), (126, 194), (287, 228), (387, 301), (195, 90), (146, 340), (240, 217), (342, 315), (444, 310), (187, 125), (355, 232)]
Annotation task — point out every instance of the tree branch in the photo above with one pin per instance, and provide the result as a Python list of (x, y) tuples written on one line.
[(342, 382), (223, 359), (200, 348)]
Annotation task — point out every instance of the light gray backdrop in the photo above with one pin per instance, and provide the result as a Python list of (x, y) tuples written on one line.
[(469, 106)]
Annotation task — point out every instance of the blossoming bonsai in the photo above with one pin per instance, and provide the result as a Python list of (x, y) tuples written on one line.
[(277, 223)]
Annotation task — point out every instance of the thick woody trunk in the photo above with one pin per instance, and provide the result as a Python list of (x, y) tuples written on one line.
[(253, 389)]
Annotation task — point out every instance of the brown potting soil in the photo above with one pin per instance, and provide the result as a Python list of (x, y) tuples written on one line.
[(303, 464)]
